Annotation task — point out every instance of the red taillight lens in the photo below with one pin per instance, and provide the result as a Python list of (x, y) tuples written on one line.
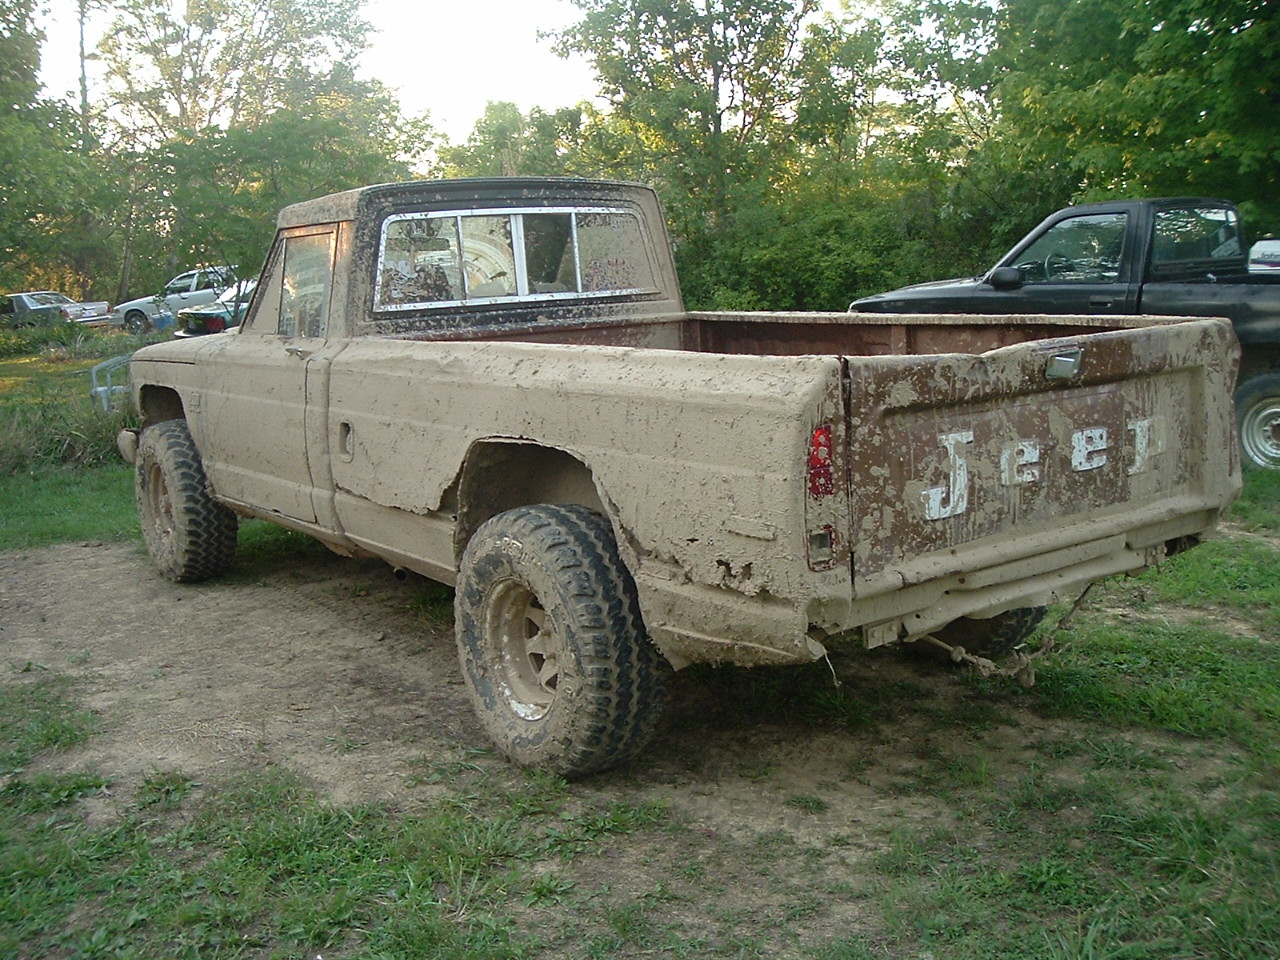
[(822, 477), (215, 324)]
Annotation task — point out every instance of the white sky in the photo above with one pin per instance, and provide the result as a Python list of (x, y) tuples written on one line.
[(445, 57)]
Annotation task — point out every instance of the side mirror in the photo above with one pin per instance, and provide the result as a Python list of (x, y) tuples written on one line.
[(1005, 278)]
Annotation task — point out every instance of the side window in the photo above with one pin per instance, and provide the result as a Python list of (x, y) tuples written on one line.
[(206, 280), (1084, 249), (304, 300), (293, 300), (1204, 233), (179, 284)]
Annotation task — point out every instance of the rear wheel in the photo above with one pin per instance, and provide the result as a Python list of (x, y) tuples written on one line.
[(135, 321), (189, 534), (1258, 420), (560, 670)]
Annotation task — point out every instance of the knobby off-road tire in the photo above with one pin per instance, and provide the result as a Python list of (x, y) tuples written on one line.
[(993, 637), (1257, 403), (560, 670), (189, 535)]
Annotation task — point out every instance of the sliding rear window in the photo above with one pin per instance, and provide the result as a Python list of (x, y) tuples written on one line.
[(456, 258)]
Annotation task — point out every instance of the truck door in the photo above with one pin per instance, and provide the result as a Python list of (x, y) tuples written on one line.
[(253, 425), (1078, 265)]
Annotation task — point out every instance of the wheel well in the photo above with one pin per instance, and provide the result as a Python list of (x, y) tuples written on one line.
[(158, 404), (502, 475), (1258, 359)]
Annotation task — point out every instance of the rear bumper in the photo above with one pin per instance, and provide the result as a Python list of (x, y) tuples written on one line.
[(699, 623)]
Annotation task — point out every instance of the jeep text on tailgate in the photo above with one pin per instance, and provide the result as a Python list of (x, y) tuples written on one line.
[(494, 383)]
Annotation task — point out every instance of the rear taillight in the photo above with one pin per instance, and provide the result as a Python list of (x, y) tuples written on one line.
[(824, 509), (215, 324), (822, 477)]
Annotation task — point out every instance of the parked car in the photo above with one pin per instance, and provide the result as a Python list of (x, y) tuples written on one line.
[(1264, 256), (187, 289), (224, 313), (44, 306), (1168, 256)]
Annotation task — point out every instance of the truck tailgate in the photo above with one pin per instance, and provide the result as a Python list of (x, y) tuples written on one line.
[(980, 482)]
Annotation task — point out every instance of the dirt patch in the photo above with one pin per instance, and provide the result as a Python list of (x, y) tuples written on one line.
[(327, 667)]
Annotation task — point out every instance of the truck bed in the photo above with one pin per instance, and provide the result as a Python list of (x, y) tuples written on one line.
[(804, 334)]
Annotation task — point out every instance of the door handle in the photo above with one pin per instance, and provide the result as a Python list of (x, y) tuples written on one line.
[(1102, 302), (301, 352)]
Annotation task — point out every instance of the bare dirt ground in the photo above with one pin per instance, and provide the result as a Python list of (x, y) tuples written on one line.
[(327, 667)]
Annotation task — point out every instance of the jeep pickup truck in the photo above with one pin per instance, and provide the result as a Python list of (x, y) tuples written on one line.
[(1183, 256), (494, 383)]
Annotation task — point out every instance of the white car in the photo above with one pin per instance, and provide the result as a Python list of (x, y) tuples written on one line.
[(187, 289), (1264, 257)]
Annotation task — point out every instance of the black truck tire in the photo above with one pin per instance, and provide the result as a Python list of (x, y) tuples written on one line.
[(992, 637), (189, 534), (1257, 403), (561, 672)]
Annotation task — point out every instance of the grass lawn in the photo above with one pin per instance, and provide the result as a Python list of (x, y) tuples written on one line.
[(1132, 813)]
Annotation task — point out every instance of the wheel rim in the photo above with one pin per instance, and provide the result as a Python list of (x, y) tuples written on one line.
[(1260, 432), (136, 322), (159, 504), (528, 650)]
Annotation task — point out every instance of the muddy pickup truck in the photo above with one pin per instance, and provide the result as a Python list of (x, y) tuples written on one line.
[(494, 383), (1175, 255)]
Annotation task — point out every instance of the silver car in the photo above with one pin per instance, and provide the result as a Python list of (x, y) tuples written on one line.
[(187, 289)]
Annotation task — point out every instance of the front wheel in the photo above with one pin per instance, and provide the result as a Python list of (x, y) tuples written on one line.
[(561, 673), (1257, 403), (189, 534), (135, 321)]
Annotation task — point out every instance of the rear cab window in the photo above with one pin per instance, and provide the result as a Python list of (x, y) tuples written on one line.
[(446, 262), (1195, 239)]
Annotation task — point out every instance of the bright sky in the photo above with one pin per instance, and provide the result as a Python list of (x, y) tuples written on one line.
[(446, 58)]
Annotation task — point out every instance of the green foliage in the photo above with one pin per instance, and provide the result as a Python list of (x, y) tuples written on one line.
[(38, 716), (56, 504), (47, 417)]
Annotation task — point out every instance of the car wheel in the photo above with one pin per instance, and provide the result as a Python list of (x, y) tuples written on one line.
[(1257, 403), (135, 321), (561, 672), (189, 534)]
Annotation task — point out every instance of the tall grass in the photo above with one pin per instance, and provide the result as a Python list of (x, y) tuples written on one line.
[(47, 417)]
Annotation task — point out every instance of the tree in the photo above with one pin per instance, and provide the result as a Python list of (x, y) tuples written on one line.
[(1107, 97), (221, 62), (504, 142), (41, 172), (703, 86), (225, 112)]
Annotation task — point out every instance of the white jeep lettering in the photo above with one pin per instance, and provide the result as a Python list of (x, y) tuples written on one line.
[(951, 499), (1148, 442), (1020, 463), (1089, 449)]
